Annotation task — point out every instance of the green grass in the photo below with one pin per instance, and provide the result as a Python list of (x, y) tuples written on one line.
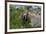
[(15, 21)]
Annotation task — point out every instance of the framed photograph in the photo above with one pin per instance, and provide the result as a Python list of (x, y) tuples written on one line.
[(24, 16)]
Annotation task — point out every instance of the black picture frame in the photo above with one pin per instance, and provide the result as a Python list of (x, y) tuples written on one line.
[(22, 2)]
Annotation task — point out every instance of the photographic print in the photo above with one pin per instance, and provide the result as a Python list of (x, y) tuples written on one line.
[(24, 16)]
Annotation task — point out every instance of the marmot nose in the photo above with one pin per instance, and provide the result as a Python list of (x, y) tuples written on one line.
[(24, 14)]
